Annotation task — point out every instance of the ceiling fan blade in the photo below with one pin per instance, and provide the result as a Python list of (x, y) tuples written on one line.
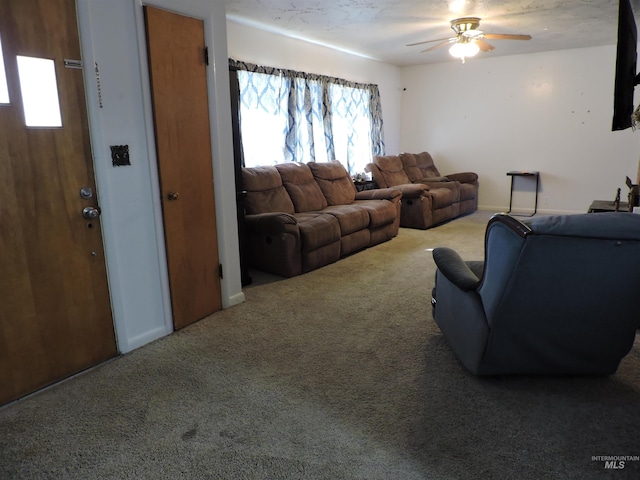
[(506, 36), (427, 41), (484, 46), (441, 44)]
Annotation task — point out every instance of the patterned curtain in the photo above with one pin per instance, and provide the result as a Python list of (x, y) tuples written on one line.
[(377, 139), (294, 116)]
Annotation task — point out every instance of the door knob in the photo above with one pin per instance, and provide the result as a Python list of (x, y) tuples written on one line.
[(90, 213), (173, 195)]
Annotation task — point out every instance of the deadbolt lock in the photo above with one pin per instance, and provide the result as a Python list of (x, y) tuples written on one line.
[(173, 196), (86, 193)]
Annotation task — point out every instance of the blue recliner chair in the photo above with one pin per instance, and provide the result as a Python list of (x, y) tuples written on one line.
[(554, 295)]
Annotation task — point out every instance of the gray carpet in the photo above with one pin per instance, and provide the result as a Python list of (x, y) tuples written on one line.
[(337, 374)]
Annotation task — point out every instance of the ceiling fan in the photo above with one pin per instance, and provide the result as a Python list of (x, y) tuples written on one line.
[(469, 40)]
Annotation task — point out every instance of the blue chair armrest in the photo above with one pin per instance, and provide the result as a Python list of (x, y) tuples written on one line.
[(455, 269)]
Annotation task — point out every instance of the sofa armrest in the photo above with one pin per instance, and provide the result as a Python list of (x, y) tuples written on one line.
[(433, 179), (455, 269), (451, 185), (464, 177), (406, 190), (379, 194), (271, 223)]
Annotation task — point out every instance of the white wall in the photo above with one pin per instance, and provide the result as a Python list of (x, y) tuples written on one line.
[(112, 36), (249, 44), (550, 112)]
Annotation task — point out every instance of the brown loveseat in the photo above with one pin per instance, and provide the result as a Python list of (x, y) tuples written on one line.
[(439, 199), (300, 217)]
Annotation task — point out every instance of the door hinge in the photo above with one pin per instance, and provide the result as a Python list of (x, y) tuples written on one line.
[(220, 270), (206, 55)]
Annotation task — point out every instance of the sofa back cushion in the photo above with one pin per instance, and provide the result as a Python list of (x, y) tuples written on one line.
[(391, 170), (419, 165), (334, 181), (411, 167), (302, 187), (265, 191)]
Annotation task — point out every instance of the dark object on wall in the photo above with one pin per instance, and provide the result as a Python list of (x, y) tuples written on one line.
[(626, 78), (120, 155), (634, 194)]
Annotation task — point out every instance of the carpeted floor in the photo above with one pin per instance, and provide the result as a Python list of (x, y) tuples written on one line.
[(337, 374)]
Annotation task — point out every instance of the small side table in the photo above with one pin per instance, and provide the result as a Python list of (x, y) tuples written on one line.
[(607, 206), (362, 185), (524, 173)]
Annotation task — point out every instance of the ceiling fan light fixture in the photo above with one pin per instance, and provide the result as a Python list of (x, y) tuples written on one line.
[(465, 24), (464, 49), (469, 40)]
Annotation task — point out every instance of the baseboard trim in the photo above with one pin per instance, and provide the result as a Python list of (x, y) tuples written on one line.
[(236, 299)]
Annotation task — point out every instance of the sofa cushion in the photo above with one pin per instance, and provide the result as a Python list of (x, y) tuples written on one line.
[(265, 191), (317, 230), (334, 181), (302, 187), (354, 242), (442, 197), (391, 170), (411, 168), (421, 165), (350, 217), (381, 212), (468, 191)]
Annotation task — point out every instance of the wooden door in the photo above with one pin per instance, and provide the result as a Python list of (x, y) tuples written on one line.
[(181, 115), (55, 312)]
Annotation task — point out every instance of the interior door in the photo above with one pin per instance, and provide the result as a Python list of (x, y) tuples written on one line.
[(181, 114), (55, 313)]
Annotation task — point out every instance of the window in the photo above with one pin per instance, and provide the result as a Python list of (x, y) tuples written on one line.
[(288, 116), (4, 90), (39, 92), (264, 118), (351, 125)]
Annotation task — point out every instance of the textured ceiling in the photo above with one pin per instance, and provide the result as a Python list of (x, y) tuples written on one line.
[(380, 29)]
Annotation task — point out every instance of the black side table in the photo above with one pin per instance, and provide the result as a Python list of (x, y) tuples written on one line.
[(362, 185), (524, 173), (607, 206)]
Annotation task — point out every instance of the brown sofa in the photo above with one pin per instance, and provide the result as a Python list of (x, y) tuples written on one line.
[(439, 198), (420, 168), (300, 217)]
